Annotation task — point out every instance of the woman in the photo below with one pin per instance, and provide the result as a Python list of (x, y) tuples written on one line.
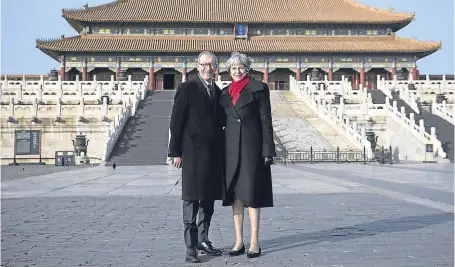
[(249, 150)]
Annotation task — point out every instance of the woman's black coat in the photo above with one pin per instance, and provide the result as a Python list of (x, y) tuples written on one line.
[(249, 138), (197, 137)]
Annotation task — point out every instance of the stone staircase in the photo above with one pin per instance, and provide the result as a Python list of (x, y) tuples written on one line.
[(144, 140), (318, 129), (444, 129)]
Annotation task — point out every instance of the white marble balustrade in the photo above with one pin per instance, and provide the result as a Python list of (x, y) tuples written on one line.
[(365, 109), (409, 97), (326, 112), (417, 130), (131, 93), (338, 117), (444, 111), (425, 89), (70, 90), (323, 90)]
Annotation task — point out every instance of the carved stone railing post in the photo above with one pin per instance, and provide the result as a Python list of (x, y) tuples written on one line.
[(11, 107), (105, 107)]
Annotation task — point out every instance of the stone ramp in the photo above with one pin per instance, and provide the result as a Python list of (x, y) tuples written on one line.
[(290, 131), (144, 140), (295, 118)]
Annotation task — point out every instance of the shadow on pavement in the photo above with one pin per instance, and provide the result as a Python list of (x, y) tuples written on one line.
[(356, 231)]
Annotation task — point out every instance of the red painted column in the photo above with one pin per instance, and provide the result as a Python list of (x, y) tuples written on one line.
[(62, 67), (362, 77), (184, 75), (356, 81), (62, 73), (217, 73), (84, 73), (151, 79), (84, 70), (117, 70), (414, 73), (394, 70), (330, 73), (266, 75), (418, 74), (298, 73)]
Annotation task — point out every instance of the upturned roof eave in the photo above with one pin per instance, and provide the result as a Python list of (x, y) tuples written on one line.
[(47, 45), (400, 23), (77, 25)]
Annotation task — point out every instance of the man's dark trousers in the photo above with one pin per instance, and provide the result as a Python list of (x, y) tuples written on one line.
[(199, 232)]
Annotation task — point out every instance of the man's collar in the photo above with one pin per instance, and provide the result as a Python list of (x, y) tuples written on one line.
[(209, 82)]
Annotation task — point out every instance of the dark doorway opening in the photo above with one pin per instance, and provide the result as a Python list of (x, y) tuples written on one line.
[(168, 81), (137, 74), (102, 74), (281, 85), (71, 75)]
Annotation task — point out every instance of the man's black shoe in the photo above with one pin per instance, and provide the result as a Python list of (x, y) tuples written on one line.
[(208, 248), (191, 255)]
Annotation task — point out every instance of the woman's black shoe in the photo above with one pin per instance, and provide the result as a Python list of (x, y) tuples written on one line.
[(253, 254), (237, 252)]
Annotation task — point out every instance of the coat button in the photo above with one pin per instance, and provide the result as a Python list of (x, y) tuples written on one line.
[(238, 120)]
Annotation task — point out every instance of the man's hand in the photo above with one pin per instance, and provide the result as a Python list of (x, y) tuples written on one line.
[(178, 162)]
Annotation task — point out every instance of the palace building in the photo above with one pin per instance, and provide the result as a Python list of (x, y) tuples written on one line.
[(161, 39)]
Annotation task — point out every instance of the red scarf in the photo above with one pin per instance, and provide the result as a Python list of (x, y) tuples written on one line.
[(237, 87)]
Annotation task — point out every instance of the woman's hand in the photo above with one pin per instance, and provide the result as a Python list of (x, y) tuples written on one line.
[(268, 161)]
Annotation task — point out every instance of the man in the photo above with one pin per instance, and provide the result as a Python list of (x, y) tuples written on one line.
[(196, 147)]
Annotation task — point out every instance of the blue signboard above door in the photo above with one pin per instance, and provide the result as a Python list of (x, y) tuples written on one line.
[(241, 30)]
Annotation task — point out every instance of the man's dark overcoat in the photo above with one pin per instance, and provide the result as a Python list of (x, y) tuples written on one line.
[(249, 138), (197, 137)]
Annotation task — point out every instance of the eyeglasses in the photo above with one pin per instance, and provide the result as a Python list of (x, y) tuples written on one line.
[(206, 65)]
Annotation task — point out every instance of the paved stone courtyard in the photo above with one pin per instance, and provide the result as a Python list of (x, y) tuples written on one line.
[(324, 215)]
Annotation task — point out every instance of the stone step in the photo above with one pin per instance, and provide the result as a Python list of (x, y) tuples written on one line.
[(144, 140)]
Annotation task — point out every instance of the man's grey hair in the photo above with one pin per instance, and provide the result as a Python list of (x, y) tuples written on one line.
[(239, 59), (207, 53)]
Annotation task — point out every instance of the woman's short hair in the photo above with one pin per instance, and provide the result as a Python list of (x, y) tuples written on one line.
[(239, 59)]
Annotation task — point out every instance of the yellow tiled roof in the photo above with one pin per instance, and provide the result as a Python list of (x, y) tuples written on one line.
[(182, 44), (233, 11)]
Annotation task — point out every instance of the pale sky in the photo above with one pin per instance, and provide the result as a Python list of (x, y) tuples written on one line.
[(24, 21)]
